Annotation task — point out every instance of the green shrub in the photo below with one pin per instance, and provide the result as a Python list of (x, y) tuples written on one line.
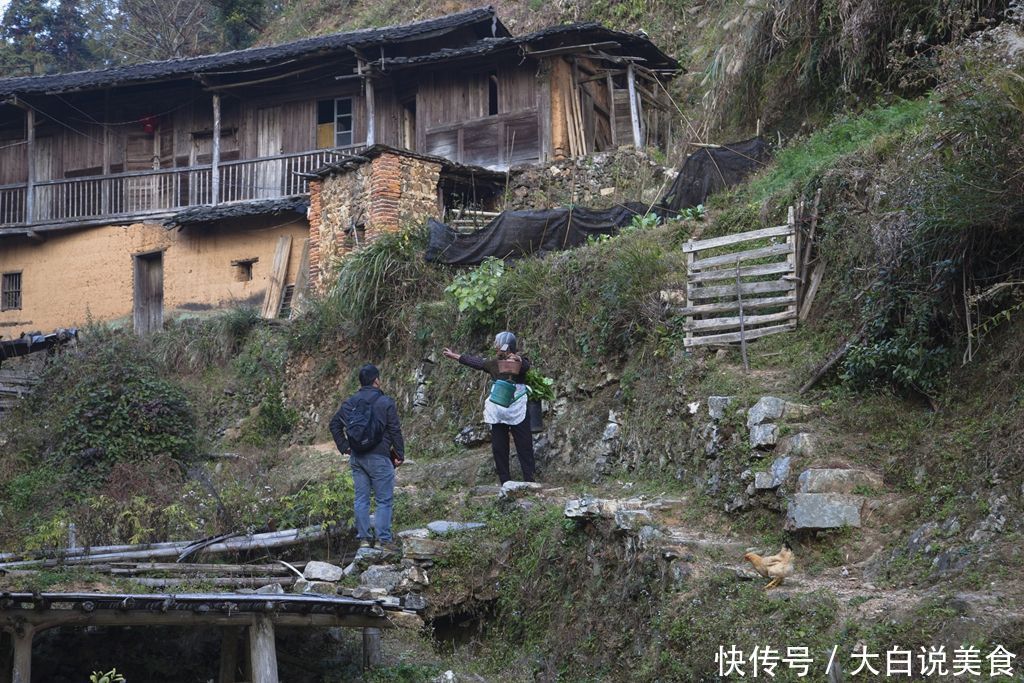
[(476, 291)]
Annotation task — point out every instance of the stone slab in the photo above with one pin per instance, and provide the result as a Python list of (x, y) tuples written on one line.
[(809, 511)]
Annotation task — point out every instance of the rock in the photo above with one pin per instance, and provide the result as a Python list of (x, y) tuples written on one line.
[(952, 560), (951, 527), (322, 571), (366, 593), (443, 528), (519, 489), (485, 490), (717, 406), (319, 587), (631, 520), (767, 409), (775, 477), (414, 533), (382, 576), (823, 511), (367, 556), (795, 412), (680, 572), (801, 444), (423, 548), (920, 537), (473, 435), (452, 677), (271, 589), (414, 601), (738, 502), (607, 191), (585, 507), (838, 481), (415, 576), (611, 432), (649, 536), (763, 436)]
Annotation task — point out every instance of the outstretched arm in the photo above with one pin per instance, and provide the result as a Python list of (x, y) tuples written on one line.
[(475, 362)]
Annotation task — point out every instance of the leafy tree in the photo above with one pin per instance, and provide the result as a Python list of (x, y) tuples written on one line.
[(241, 21)]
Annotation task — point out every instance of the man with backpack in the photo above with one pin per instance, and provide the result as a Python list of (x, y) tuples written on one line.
[(366, 425)]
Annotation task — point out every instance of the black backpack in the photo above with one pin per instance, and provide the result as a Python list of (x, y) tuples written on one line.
[(362, 427)]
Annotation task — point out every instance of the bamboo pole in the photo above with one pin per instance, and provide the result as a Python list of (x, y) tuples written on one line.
[(634, 114)]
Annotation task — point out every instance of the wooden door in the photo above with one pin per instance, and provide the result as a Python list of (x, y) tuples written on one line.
[(141, 153), (269, 143), (47, 204), (148, 304)]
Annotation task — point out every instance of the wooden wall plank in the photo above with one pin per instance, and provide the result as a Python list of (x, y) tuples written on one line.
[(278, 271)]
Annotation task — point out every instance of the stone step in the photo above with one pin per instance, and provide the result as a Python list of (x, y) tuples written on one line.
[(836, 480)]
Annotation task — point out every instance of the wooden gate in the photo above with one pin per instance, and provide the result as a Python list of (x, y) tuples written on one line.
[(741, 287)]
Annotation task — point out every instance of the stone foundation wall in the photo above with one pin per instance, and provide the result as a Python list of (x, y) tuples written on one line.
[(391, 191)]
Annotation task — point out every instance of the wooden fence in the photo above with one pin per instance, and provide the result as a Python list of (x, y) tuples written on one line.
[(736, 296)]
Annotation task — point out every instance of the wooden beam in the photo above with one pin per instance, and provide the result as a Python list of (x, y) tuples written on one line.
[(263, 651), (372, 656), (748, 271), (717, 291), (572, 49), (278, 272), (761, 252), (733, 337), (736, 238), (634, 110), (215, 157), (812, 290), (302, 285), (42, 620), (712, 324)]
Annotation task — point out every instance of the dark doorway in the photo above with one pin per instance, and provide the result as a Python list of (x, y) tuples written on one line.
[(409, 125), (148, 308)]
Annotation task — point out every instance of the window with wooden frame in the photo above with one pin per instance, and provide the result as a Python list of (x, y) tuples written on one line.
[(10, 292), (243, 269), (334, 122)]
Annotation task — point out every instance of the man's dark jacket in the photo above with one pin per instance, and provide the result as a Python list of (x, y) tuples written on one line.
[(385, 410)]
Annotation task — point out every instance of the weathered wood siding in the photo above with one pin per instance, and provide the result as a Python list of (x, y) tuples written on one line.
[(454, 119)]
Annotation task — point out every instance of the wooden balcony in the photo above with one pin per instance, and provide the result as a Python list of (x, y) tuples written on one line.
[(142, 194)]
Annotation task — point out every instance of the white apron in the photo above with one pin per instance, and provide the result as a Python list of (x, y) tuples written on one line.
[(513, 415)]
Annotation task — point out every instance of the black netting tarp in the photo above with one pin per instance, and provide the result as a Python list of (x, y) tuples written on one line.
[(712, 169), (521, 233)]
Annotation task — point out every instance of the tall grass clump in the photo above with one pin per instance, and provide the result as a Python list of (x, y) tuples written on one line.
[(191, 345), (374, 287)]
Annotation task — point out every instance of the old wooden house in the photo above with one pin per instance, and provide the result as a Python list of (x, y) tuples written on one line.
[(183, 184)]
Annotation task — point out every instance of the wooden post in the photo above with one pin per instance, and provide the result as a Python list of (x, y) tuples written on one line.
[(371, 115), (262, 651), (743, 338), (30, 137), (105, 188), (228, 654), (22, 669), (215, 157), (371, 648), (611, 107), (634, 109)]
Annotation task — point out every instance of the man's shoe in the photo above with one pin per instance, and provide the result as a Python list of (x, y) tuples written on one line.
[(390, 547), (365, 543)]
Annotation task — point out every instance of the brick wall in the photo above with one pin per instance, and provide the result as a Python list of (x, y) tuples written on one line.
[(390, 192)]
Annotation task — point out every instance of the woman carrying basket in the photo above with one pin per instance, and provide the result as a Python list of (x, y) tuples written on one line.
[(505, 408)]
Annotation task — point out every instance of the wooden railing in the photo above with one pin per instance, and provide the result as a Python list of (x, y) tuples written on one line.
[(139, 193)]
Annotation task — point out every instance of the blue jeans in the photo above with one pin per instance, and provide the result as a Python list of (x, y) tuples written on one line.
[(373, 471)]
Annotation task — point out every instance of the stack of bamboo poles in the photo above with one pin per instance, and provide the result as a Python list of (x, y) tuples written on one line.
[(574, 121), (137, 563)]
